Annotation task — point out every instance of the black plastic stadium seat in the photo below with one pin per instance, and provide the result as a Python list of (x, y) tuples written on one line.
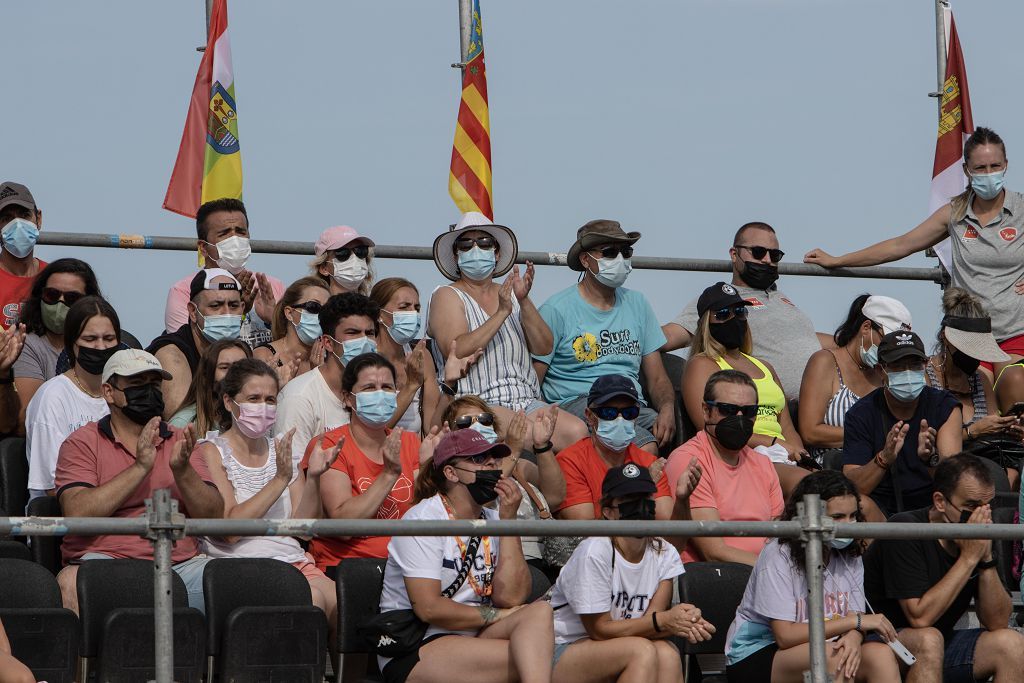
[(43, 635), (13, 476), (360, 582), (262, 622), (716, 588), (15, 549), (1005, 497), (46, 549), (674, 369), (115, 599)]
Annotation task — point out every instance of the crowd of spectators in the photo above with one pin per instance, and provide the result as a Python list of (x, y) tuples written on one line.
[(335, 397)]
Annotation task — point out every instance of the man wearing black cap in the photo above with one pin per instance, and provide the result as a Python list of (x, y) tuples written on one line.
[(215, 313), (599, 327), (20, 221), (611, 413), (894, 437)]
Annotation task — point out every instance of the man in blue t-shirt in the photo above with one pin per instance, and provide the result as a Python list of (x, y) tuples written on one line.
[(895, 437), (601, 328)]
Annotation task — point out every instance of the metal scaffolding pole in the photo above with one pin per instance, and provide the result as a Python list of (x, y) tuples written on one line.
[(163, 516), (941, 6), (811, 512)]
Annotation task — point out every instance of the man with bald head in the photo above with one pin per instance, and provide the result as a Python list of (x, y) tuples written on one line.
[(214, 312)]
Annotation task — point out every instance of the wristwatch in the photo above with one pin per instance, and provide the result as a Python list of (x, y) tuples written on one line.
[(987, 564), (934, 460)]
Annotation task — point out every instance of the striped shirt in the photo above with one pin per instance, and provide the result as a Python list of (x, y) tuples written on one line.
[(504, 375), (835, 411), (977, 393)]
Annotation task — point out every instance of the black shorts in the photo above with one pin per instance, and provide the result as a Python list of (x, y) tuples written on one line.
[(754, 668), (399, 668)]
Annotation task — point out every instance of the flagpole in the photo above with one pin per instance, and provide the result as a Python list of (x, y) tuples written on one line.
[(465, 26), (940, 49), (209, 13)]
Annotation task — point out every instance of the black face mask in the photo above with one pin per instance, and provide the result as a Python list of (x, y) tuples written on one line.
[(482, 490), (93, 360), (967, 365), (729, 334), (733, 432), (759, 275), (641, 510), (144, 403)]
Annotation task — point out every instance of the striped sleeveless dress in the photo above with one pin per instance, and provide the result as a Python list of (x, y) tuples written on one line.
[(504, 375), (835, 411)]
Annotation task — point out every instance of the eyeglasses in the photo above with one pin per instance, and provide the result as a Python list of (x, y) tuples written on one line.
[(749, 412), (611, 412), (362, 251), (486, 419), (313, 307), (615, 250), (737, 311), (485, 242), (760, 252), (52, 295)]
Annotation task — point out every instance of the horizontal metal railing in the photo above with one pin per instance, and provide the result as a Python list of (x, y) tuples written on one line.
[(163, 525), (543, 258)]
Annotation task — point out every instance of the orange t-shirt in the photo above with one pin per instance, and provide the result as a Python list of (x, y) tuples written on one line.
[(13, 291), (362, 472), (584, 472), (748, 492)]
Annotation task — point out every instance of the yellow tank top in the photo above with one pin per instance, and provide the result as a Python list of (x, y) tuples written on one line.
[(770, 399)]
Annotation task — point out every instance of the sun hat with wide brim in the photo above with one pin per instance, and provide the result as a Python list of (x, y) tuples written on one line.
[(447, 260), (595, 233), (973, 336)]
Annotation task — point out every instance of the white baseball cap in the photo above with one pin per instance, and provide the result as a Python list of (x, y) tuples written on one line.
[(888, 313), (130, 362)]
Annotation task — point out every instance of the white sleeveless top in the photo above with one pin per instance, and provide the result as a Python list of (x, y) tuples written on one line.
[(504, 375), (411, 421), (247, 482)]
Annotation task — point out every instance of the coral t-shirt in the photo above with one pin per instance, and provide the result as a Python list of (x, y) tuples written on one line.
[(584, 470), (746, 492), (362, 472), (14, 289)]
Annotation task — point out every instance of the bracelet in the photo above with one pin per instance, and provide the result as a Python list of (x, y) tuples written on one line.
[(987, 564), (774, 439), (449, 390), (858, 621), (881, 463), (543, 449), (654, 618)]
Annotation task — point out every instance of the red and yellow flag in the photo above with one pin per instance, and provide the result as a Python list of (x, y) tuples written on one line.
[(955, 125), (469, 181), (209, 163)]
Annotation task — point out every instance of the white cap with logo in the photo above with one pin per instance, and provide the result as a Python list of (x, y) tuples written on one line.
[(130, 362), (888, 313)]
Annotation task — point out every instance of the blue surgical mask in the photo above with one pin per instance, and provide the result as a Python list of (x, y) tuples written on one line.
[(19, 237), (217, 327), (308, 328), (987, 185), (616, 434), (869, 357), (477, 263), (376, 408), (907, 385), (612, 272), (840, 543), (354, 347), (404, 326), (486, 431)]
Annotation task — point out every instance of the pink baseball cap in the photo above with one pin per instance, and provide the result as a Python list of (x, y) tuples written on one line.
[(338, 237)]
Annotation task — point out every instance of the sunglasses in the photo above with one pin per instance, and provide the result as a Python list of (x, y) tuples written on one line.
[(611, 412), (362, 251), (737, 311), (615, 250), (51, 295), (482, 458), (466, 243), (486, 419), (749, 412), (313, 307), (759, 252)]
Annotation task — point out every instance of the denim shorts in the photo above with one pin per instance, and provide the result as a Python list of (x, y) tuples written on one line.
[(958, 663)]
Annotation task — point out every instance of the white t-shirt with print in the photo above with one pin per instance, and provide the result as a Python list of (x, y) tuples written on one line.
[(435, 557), (589, 585), (58, 408), (309, 405)]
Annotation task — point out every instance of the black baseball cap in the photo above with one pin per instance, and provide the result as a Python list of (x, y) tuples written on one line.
[(607, 387), (627, 480), (717, 296), (901, 344)]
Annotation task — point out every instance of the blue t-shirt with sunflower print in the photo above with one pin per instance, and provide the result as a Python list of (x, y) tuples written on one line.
[(590, 342)]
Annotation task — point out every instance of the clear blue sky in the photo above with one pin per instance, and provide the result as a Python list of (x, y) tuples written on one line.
[(682, 120)]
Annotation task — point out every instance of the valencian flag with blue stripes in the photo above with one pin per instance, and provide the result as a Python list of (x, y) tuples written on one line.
[(209, 164), (469, 181)]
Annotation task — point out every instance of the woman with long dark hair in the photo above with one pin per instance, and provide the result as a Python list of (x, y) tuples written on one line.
[(199, 407), (768, 641)]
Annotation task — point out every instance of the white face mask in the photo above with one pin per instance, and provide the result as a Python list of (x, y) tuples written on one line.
[(234, 253), (351, 273)]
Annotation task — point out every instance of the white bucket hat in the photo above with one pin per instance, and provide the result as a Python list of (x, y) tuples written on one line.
[(448, 262)]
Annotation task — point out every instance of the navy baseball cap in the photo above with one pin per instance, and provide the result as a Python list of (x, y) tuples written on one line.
[(627, 480), (607, 387)]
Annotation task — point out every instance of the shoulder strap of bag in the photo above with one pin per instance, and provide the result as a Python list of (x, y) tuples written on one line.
[(538, 504), (460, 579)]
